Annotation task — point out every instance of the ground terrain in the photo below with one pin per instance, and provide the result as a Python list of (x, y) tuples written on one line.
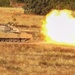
[(35, 57)]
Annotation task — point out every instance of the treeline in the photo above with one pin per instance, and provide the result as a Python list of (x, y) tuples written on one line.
[(42, 7), (4, 3)]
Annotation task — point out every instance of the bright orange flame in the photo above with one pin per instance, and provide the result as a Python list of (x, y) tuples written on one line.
[(59, 27)]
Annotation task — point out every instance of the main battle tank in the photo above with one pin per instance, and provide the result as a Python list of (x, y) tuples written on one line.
[(9, 33)]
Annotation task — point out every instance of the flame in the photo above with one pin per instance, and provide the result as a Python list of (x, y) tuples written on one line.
[(59, 27)]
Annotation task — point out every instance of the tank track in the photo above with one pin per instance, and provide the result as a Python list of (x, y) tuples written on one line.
[(14, 39)]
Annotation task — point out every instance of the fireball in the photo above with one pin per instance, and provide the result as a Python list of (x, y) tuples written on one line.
[(59, 27)]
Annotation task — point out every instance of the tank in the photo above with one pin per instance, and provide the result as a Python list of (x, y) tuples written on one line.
[(9, 33)]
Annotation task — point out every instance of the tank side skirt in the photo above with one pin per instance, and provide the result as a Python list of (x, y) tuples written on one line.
[(14, 39)]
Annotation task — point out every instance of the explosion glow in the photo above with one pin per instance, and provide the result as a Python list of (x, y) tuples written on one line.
[(59, 27)]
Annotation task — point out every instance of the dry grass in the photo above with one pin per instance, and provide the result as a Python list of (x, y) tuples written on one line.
[(22, 19), (26, 59), (16, 15), (12, 10)]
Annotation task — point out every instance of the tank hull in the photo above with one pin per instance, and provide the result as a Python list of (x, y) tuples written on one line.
[(14, 37)]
